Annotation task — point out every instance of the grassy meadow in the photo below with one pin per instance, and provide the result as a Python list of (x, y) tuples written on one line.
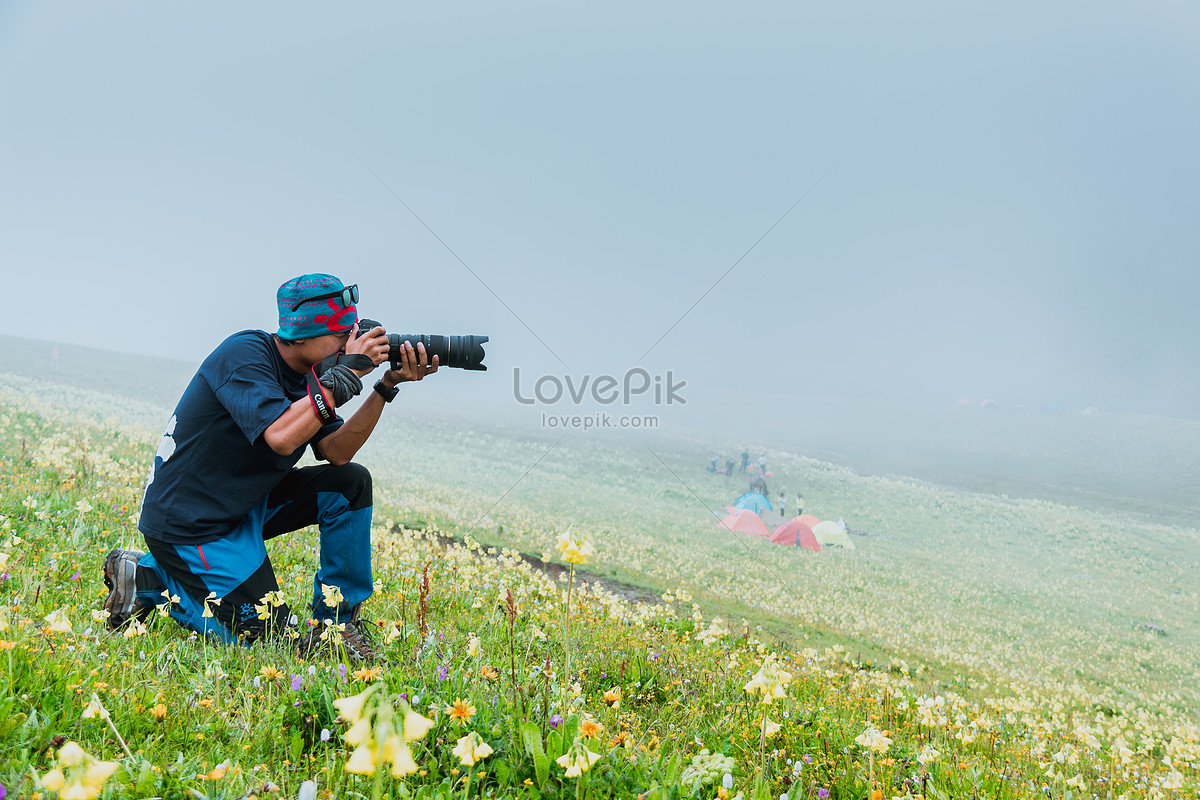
[(971, 645)]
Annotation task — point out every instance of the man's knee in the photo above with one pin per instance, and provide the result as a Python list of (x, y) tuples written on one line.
[(352, 481)]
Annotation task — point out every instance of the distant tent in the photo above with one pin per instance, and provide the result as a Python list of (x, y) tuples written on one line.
[(830, 533), (745, 521), (988, 404), (797, 534), (809, 520), (753, 501)]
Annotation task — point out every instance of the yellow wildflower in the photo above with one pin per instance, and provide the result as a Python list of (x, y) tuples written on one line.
[(769, 681), (95, 709), (351, 708), (333, 595), (209, 601), (574, 548), (415, 725), (461, 712), (873, 740), (471, 749), (271, 673), (78, 775), (577, 760), (366, 673), (58, 622), (590, 729)]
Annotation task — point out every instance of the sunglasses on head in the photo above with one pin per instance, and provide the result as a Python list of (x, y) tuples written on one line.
[(349, 297)]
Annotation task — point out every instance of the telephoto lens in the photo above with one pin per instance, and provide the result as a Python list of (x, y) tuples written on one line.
[(460, 352)]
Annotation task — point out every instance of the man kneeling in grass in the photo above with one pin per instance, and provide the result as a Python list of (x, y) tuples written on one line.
[(224, 478)]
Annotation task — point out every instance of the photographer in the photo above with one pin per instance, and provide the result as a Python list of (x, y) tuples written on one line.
[(224, 478)]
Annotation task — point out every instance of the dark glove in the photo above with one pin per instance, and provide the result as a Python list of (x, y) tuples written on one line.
[(335, 374), (342, 381)]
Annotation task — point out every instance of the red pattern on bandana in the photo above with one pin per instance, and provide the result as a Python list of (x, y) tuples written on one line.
[(334, 321)]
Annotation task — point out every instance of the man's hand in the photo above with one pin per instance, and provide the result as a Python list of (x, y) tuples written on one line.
[(414, 365), (373, 344)]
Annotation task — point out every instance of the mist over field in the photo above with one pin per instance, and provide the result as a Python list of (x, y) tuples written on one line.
[(1138, 465)]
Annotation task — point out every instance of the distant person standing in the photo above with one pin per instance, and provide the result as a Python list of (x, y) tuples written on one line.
[(762, 465), (54, 357), (745, 460), (729, 468), (712, 464), (799, 504), (782, 504)]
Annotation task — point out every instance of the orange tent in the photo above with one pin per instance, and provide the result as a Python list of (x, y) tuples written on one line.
[(798, 534), (745, 521), (808, 519)]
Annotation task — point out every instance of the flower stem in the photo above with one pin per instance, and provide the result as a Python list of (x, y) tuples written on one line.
[(567, 628), (762, 743), (116, 733)]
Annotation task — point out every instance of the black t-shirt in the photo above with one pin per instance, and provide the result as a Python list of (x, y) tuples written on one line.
[(212, 465)]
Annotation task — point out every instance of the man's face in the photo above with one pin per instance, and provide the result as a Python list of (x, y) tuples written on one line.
[(318, 348)]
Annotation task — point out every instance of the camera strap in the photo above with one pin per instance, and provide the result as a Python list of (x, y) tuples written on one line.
[(317, 398)]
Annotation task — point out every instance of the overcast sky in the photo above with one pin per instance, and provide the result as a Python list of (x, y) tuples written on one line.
[(982, 201)]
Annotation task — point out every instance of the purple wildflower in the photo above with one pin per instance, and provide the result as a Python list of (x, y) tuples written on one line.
[(555, 721), (342, 671), (822, 793), (296, 680), (75, 577), (654, 656), (442, 672), (3, 792), (807, 758)]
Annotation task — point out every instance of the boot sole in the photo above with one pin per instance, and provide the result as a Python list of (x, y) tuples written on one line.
[(119, 577)]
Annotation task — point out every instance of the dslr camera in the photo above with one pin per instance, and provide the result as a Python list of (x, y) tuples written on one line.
[(460, 352)]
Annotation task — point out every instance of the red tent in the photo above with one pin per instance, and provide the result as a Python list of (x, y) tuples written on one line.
[(798, 534), (745, 521), (808, 519)]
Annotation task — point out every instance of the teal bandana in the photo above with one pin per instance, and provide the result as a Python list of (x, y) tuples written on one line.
[(316, 305)]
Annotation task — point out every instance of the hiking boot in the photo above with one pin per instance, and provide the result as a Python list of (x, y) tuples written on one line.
[(352, 638), (120, 569)]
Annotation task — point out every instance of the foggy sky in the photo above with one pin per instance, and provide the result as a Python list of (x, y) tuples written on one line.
[(986, 202)]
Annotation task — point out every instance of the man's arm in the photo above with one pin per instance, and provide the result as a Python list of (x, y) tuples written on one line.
[(295, 427), (341, 446)]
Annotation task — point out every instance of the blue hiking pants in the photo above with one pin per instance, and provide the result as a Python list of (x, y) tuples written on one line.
[(235, 569)]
